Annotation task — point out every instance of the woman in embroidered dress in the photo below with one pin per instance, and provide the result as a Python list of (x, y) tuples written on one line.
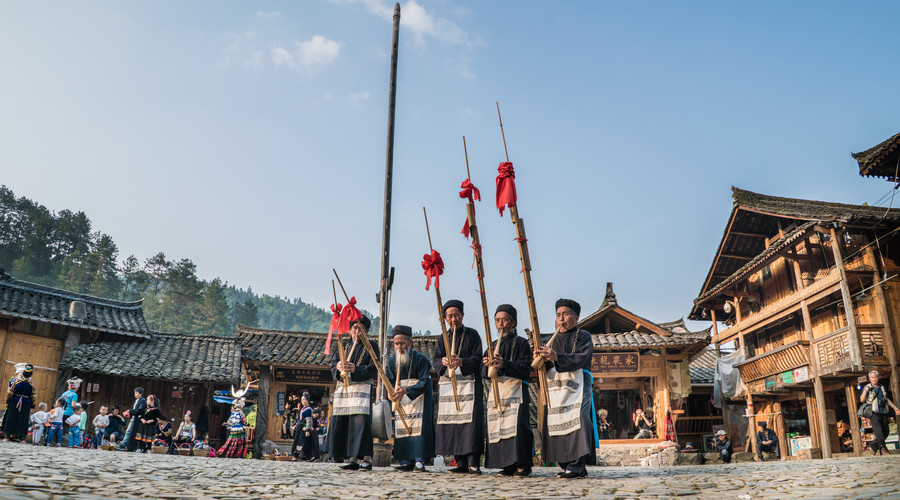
[(306, 433), (19, 402), (236, 444), (148, 424)]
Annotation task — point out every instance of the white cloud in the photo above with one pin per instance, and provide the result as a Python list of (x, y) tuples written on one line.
[(242, 50), (355, 98), (414, 17), (308, 56)]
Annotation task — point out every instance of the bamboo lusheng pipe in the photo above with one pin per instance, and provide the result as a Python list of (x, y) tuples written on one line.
[(543, 393), (539, 361), (381, 374), (342, 355), (448, 350), (479, 267)]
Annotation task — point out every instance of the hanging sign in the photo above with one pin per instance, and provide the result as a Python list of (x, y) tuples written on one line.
[(615, 362)]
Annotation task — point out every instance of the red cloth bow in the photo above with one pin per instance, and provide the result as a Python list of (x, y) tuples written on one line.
[(434, 268), (468, 191), (335, 325), (506, 186), (349, 315)]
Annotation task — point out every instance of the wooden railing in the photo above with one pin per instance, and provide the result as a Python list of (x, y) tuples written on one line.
[(696, 425), (782, 359), (833, 350)]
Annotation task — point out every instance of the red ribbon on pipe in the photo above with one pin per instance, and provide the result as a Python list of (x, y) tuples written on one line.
[(335, 324), (349, 315), (434, 268), (468, 191), (506, 186)]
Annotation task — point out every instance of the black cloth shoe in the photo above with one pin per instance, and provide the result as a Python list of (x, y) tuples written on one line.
[(523, 472), (507, 471), (571, 474), (462, 469), (420, 467), (365, 466), (350, 466), (476, 471), (405, 468)]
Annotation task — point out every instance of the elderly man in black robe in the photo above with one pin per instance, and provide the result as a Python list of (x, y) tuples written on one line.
[(411, 373), (460, 432), (569, 434), (510, 445), (350, 430)]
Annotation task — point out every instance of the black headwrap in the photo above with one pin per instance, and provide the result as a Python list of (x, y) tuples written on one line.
[(454, 303), (508, 309), (401, 330), (571, 304), (29, 370), (366, 322)]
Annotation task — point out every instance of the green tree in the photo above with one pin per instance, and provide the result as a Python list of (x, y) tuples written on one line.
[(214, 314), (246, 313), (135, 280)]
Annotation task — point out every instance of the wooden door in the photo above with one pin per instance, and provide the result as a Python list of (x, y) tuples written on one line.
[(41, 352)]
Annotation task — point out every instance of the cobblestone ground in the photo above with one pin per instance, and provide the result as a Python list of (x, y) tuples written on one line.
[(36, 472)]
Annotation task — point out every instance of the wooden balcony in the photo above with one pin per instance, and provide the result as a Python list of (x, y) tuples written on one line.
[(782, 359), (834, 355)]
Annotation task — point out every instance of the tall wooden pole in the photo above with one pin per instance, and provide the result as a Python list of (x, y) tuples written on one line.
[(479, 267), (388, 176), (448, 349), (543, 394)]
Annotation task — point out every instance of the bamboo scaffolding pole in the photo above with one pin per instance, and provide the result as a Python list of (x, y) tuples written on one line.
[(543, 393), (440, 306), (372, 354), (479, 267)]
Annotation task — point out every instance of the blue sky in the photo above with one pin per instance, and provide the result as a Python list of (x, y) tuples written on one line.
[(250, 137)]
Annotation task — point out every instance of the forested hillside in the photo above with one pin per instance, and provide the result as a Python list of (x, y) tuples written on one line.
[(63, 250)]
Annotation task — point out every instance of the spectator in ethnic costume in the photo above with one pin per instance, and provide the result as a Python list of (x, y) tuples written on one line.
[(16, 378), (460, 432), (306, 432), (510, 444), (19, 402), (350, 430), (148, 428), (569, 432), (876, 395), (411, 448), (236, 444)]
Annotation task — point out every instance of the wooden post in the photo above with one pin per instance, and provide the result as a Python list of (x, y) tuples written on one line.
[(262, 411), (855, 348), (726, 419), (814, 431), (818, 389), (780, 429), (854, 420), (751, 424)]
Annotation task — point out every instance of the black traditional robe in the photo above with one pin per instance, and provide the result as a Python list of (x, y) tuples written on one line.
[(574, 350), (518, 450), (351, 435), (463, 439), (422, 446)]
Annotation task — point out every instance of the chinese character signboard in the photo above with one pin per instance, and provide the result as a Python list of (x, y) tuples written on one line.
[(302, 375), (615, 362), (801, 374)]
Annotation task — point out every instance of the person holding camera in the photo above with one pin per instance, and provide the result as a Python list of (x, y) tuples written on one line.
[(723, 445), (875, 395), (644, 423)]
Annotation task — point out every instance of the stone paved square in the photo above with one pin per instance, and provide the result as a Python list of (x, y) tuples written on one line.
[(29, 472)]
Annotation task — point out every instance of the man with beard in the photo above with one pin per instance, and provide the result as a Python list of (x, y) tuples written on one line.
[(350, 429), (411, 373), (569, 433), (460, 432), (510, 441)]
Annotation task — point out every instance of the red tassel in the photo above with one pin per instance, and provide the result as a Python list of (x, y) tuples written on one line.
[(506, 186), (434, 268), (335, 325)]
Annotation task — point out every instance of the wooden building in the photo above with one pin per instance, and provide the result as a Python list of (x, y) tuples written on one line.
[(641, 364), (183, 371), (809, 291), (40, 324)]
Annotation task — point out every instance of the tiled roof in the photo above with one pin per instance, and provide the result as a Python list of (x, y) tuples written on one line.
[(163, 356), (809, 209), (880, 160), (642, 340), (703, 367), (305, 348), (22, 299)]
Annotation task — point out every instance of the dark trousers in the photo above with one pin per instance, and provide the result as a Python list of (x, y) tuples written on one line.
[(470, 460), (771, 448), (880, 423), (726, 456), (576, 466)]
